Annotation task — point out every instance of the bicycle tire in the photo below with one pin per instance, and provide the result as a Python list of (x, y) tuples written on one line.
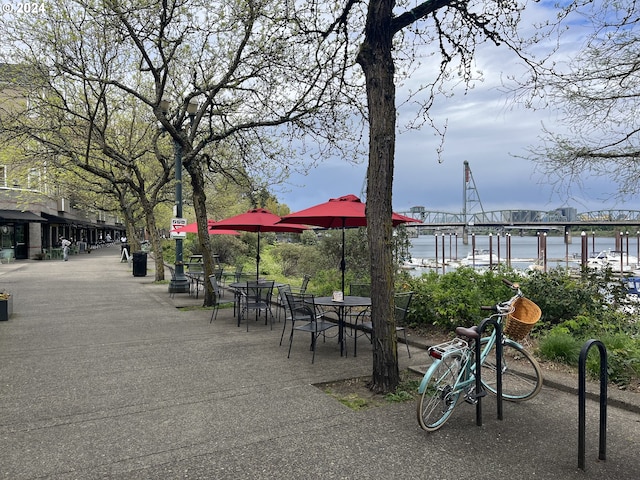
[(440, 395), (521, 374)]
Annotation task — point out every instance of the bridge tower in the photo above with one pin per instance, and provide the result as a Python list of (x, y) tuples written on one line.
[(471, 203)]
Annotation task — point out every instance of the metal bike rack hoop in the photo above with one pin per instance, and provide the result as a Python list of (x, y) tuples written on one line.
[(479, 390), (582, 387)]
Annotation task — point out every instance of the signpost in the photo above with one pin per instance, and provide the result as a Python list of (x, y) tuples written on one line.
[(177, 223)]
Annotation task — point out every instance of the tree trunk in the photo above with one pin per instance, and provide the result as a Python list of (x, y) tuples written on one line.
[(150, 219), (200, 208), (377, 63)]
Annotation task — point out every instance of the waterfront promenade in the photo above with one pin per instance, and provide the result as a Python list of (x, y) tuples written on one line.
[(102, 376)]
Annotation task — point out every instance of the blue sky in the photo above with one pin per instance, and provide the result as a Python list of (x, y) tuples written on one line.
[(483, 127)]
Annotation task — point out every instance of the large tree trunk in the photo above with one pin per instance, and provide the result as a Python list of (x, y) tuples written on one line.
[(150, 219), (200, 208), (377, 63)]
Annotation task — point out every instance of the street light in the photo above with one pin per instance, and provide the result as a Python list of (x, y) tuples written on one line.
[(179, 283)]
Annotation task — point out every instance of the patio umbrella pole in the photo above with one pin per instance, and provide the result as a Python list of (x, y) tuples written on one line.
[(258, 259), (343, 264)]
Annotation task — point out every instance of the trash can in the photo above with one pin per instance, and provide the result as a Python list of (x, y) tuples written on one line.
[(140, 264)]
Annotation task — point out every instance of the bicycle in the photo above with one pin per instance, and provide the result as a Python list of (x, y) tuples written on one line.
[(452, 375)]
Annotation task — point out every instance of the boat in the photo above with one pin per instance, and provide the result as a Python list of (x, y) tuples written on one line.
[(480, 258), (616, 260), (418, 263), (415, 262), (633, 286)]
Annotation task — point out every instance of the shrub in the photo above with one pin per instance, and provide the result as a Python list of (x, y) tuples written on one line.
[(560, 346), (297, 260), (562, 297), (454, 298), (559, 296), (564, 343), (623, 358)]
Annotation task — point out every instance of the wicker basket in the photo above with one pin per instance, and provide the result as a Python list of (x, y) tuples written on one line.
[(520, 322)]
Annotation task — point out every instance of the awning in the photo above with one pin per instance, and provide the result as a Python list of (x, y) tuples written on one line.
[(64, 220), (56, 219), (18, 216)]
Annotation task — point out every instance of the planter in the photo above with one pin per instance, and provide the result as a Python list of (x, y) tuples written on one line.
[(6, 308)]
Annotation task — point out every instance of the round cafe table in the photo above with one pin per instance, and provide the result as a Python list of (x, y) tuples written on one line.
[(240, 287), (347, 302)]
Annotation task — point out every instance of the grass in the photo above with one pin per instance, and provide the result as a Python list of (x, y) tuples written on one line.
[(355, 394), (560, 347), (406, 391)]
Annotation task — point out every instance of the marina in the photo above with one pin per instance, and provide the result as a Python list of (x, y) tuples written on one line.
[(446, 252)]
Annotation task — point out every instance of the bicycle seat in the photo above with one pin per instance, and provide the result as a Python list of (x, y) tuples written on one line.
[(471, 332)]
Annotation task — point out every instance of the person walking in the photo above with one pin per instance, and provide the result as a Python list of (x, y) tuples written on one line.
[(65, 248)]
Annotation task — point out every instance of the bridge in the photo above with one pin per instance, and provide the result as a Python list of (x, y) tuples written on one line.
[(562, 217)]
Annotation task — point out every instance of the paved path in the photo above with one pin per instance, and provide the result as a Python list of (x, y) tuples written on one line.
[(102, 377)]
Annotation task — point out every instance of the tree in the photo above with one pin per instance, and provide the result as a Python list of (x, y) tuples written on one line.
[(457, 28), (597, 92), (254, 73), (260, 76), (76, 126)]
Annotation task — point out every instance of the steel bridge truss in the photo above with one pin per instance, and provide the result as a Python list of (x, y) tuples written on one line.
[(526, 217)]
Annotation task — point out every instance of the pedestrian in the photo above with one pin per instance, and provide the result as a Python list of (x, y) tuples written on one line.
[(124, 245), (65, 248)]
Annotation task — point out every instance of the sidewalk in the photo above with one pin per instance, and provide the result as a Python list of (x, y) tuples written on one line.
[(103, 377)]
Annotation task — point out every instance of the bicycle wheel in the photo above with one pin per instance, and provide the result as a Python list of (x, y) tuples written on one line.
[(521, 374), (440, 394)]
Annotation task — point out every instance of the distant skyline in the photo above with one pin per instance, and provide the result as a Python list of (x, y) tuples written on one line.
[(485, 129)]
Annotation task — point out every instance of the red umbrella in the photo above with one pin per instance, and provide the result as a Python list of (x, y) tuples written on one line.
[(193, 228), (257, 220), (342, 212)]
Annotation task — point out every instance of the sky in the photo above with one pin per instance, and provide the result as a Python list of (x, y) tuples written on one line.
[(485, 128)]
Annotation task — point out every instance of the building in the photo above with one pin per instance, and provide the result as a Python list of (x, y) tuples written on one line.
[(28, 229), (33, 215)]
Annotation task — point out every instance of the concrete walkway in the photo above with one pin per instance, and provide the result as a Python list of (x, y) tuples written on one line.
[(101, 376)]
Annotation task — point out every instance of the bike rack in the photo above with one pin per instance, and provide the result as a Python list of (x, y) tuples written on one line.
[(479, 390), (582, 386)]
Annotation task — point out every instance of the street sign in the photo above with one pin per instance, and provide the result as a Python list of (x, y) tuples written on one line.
[(177, 223)]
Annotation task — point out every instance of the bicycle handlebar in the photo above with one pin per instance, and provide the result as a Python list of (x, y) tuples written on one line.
[(505, 307), (511, 284)]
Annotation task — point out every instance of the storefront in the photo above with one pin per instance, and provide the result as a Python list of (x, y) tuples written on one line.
[(16, 229)]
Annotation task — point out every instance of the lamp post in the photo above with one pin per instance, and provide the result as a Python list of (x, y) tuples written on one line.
[(179, 283)]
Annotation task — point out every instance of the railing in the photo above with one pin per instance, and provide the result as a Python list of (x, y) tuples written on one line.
[(527, 217)]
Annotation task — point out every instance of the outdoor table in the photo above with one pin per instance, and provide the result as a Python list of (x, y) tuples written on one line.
[(239, 287), (348, 301)]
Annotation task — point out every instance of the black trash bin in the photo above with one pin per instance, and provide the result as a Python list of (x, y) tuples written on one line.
[(140, 264)]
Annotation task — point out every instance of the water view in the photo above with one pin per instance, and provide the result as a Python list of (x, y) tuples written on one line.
[(524, 251)]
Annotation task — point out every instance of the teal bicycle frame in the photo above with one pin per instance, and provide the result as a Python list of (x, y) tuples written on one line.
[(466, 376)]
